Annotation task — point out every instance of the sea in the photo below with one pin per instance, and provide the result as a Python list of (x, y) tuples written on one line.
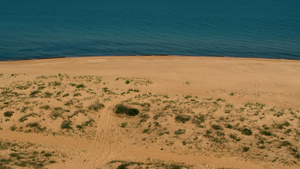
[(37, 29)]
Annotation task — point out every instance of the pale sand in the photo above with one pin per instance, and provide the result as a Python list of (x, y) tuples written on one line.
[(236, 80)]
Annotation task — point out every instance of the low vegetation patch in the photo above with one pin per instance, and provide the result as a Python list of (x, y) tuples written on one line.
[(247, 132), (216, 127), (182, 118), (8, 113), (96, 106), (121, 109), (66, 124), (155, 164), (179, 131)]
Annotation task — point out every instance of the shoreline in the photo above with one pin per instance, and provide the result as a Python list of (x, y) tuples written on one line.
[(232, 57)]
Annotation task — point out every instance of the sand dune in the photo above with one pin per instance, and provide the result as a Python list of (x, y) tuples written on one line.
[(184, 112)]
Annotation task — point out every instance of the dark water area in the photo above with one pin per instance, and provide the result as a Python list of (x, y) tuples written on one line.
[(36, 29)]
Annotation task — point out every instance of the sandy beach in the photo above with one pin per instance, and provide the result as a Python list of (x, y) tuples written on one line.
[(174, 111)]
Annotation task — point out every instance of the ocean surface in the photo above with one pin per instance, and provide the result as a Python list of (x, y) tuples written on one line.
[(35, 29)]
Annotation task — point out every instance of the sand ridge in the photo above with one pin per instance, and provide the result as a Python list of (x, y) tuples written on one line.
[(194, 112)]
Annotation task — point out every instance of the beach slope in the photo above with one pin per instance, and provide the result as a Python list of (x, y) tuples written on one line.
[(150, 111)]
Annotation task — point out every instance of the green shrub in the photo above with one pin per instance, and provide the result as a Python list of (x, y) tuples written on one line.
[(77, 94), (96, 106), (13, 128), (198, 120), (48, 94), (245, 149), (122, 166), (66, 95), (121, 109), (55, 83), (46, 107), (145, 130), (35, 124), (48, 155), (234, 136), (54, 115), (247, 132), (24, 118), (182, 118), (66, 124), (229, 126), (285, 143), (179, 131), (80, 86), (124, 124), (216, 127), (14, 155), (32, 94), (266, 133), (132, 112), (8, 113), (41, 87), (175, 166)]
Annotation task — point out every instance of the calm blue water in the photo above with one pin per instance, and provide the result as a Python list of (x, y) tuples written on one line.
[(32, 29)]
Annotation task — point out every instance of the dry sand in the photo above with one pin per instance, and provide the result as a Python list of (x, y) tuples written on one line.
[(197, 112)]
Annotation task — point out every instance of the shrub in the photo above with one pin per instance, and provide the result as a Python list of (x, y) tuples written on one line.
[(14, 155), (35, 124), (285, 143), (48, 155), (96, 106), (8, 113), (145, 130), (41, 87), (229, 126), (77, 94), (216, 127), (132, 112), (66, 95), (234, 136), (13, 128), (122, 166), (121, 109), (180, 131), (34, 93), (124, 124), (66, 124), (175, 166), (54, 115), (245, 149), (46, 107), (266, 133), (247, 132), (80, 86), (55, 83), (182, 118), (48, 94), (22, 119), (198, 119)]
